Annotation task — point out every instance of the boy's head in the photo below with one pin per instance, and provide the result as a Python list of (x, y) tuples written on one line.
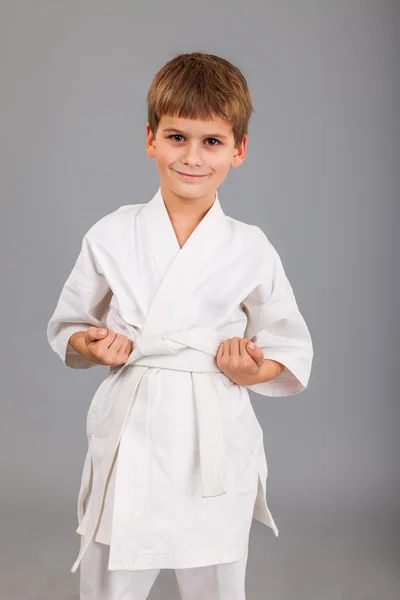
[(199, 108)]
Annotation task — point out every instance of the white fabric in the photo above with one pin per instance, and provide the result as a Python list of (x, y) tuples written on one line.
[(214, 582), (176, 466)]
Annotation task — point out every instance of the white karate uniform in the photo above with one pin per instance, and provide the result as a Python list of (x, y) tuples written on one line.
[(176, 467)]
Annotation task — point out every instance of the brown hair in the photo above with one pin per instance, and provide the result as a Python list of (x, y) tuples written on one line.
[(200, 86)]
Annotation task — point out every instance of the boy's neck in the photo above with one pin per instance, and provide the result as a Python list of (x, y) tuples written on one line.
[(186, 210), (185, 213)]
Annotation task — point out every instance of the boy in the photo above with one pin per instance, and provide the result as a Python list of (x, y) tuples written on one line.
[(188, 308)]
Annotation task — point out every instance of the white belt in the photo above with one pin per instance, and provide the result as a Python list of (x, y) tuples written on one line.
[(194, 351)]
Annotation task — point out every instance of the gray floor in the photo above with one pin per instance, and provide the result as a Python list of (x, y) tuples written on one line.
[(315, 558)]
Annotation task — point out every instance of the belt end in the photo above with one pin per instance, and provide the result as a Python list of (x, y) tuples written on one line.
[(213, 491)]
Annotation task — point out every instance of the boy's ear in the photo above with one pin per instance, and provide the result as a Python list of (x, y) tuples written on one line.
[(239, 153), (150, 144)]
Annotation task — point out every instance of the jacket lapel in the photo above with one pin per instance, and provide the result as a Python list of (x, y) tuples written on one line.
[(179, 268)]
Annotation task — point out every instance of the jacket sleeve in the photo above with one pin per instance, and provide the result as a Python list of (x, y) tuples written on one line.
[(83, 303), (276, 325)]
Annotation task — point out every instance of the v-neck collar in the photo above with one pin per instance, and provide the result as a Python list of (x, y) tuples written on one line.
[(163, 240), (179, 269), (158, 198)]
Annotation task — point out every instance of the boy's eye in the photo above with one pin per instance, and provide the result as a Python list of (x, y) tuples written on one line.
[(174, 136), (213, 142)]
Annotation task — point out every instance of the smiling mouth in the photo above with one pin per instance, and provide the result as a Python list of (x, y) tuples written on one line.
[(190, 176)]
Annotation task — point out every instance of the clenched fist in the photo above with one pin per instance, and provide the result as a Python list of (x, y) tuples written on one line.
[(240, 360), (102, 346)]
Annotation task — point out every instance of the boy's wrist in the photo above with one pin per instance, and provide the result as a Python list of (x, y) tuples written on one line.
[(269, 370)]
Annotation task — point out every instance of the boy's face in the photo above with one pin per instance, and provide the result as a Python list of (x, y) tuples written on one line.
[(193, 156)]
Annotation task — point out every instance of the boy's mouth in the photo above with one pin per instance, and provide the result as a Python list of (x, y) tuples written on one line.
[(190, 176)]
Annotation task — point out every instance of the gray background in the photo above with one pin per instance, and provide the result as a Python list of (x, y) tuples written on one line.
[(321, 178)]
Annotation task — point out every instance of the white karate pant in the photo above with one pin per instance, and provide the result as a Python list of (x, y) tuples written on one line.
[(225, 581)]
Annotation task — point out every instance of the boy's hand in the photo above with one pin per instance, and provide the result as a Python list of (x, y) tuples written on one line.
[(240, 360), (104, 347)]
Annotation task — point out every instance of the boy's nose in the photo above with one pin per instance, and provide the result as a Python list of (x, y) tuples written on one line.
[(192, 156)]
